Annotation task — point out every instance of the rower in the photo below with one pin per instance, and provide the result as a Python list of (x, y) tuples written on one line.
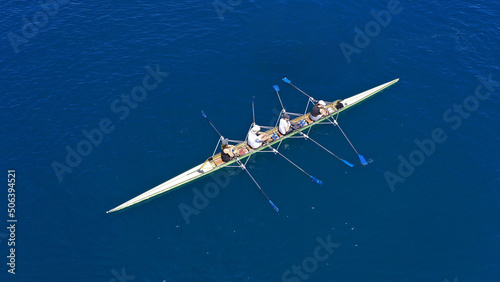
[(318, 111), (227, 151), (286, 126), (257, 138)]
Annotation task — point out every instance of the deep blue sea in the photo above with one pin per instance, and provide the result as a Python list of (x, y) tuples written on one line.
[(101, 101)]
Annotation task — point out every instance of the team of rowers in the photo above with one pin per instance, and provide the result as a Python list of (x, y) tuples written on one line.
[(256, 138)]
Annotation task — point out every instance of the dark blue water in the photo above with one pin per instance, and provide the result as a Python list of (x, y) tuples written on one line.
[(415, 213)]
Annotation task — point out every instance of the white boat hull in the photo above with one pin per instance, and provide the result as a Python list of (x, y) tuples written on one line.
[(208, 167)]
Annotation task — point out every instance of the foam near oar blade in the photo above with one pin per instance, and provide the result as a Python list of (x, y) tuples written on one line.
[(316, 180), (362, 159), (286, 80)]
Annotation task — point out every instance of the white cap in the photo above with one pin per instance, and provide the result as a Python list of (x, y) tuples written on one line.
[(321, 102), (256, 129)]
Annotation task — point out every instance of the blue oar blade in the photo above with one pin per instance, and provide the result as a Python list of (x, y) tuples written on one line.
[(253, 99), (203, 114), (276, 87), (274, 206), (286, 80), (362, 159), (316, 180), (348, 163)]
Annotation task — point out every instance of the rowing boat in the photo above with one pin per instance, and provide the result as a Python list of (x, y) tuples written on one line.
[(214, 163)]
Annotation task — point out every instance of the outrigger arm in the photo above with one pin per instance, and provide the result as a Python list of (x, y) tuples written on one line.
[(305, 136), (242, 166)]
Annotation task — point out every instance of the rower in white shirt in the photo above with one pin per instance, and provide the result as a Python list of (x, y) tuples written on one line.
[(256, 138), (286, 126)]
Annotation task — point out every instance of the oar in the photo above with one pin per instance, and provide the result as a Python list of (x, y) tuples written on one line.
[(307, 137), (277, 89), (253, 109), (241, 164), (289, 82), (205, 117), (314, 179), (361, 158), (249, 174)]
